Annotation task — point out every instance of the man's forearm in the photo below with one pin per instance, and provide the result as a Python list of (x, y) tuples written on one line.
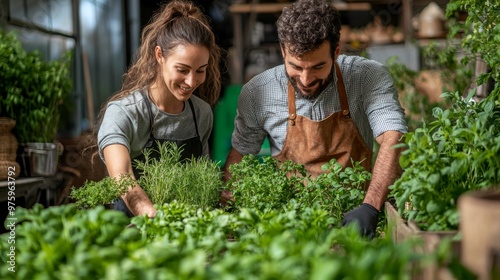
[(386, 170), (233, 157)]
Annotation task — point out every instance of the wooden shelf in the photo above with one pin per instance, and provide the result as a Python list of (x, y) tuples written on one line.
[(245, 15), (258, 8), (241, 32), (278, 7)]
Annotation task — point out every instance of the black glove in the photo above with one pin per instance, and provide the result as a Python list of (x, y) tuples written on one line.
[(366, 216)]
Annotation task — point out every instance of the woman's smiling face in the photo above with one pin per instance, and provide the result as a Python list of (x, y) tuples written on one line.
[(183, 70)]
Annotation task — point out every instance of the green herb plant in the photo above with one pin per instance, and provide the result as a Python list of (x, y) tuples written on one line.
[(34, 89), (63, 242), (480, 33), (195, 181), (267, 184), (457, 152), (453, 76), (186, 242), (103, 192), (294, 242), (338, 190), (264, 183)]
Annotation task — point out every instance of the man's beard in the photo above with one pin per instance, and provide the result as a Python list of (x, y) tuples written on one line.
[(323, 84)]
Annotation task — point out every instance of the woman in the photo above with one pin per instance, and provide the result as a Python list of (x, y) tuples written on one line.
[(166, 95)]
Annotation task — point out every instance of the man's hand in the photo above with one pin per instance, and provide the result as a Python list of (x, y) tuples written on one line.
[(366, 216), (226, 198)]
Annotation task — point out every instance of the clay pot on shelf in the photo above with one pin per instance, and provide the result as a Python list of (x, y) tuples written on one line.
[(430, 22), (379, 34)]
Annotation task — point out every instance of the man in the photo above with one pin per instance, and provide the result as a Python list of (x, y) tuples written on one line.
[(321, 105)]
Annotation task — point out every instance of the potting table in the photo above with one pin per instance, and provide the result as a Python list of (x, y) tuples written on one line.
[(31, 188)]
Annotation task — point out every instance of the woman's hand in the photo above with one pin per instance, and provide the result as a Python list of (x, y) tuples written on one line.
[(118, 162)]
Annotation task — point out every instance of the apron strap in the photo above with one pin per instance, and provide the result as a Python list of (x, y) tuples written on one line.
[(344, 105), (292, 115), (150, 114), (194, 116), (342, 93)]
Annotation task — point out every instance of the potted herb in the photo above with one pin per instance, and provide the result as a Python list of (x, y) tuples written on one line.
[(194, 181), (103, 192), (34, 91), (457, 150)]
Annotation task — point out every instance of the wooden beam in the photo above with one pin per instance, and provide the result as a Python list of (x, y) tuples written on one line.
[(278, 7)]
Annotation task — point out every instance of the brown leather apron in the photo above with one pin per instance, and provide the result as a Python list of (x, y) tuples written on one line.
[(315, 143)]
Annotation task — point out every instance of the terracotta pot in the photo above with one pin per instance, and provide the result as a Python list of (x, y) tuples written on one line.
[(480, 227)]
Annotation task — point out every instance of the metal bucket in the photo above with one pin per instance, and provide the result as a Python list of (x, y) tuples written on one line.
[(43, 158)]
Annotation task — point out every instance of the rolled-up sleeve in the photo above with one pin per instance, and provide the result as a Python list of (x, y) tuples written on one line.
[(248, 134), (116, 128), (382, 106)]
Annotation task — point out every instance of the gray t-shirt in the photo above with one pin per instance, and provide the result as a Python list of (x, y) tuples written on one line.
[(126, 122), (263, 105)]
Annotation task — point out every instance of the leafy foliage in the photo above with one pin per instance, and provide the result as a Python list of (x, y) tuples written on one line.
[(480, 31), (457, 152), (34, 89), (266, 184), (263, 183), (105, 191), (185, 242), (65, 243), (338, 190), (195, 181), (454, 76)]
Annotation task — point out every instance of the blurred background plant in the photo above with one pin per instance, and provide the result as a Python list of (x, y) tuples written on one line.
[(419, 91), (33, 89)]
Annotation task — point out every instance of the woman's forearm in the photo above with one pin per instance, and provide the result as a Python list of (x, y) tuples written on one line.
[(138, 202), (118, 163)]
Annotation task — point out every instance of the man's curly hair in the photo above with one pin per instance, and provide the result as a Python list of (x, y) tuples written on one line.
[(307, 24)]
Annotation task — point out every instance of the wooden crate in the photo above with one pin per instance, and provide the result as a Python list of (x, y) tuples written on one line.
[(88, 168), (402, 230)]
